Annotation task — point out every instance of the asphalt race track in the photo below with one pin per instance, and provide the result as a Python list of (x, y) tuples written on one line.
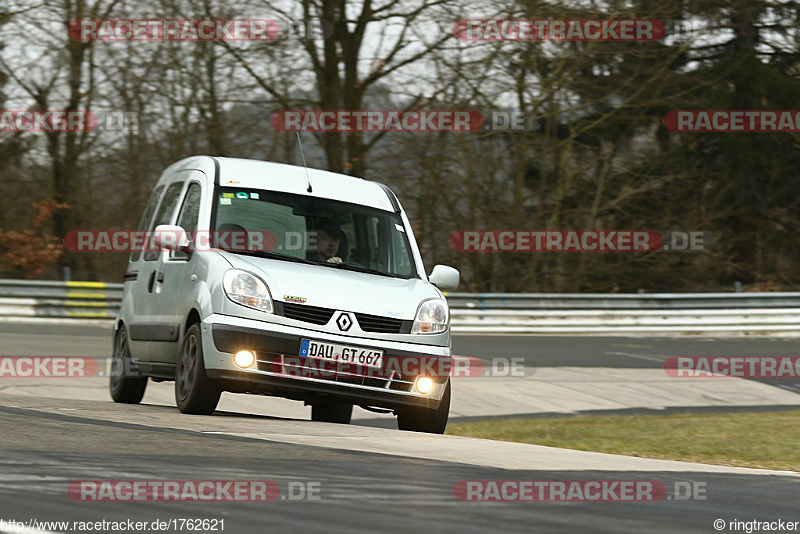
[(368, 478)]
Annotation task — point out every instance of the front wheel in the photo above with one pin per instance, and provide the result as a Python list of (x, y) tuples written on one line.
[(195, 393), (125, 383), (424, 419)]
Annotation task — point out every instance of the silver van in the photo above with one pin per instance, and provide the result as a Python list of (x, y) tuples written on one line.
[(274, 279)]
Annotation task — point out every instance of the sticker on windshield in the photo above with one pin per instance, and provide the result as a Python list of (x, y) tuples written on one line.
[(224, 201), (254, 196), (399, 227), (227, 195), (242, 195)]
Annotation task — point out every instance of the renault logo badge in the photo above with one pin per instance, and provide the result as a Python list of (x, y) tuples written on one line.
[(344, 322)]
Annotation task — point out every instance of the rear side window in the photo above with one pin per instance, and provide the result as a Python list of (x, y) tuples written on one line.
[(146, 216), (164, 214)]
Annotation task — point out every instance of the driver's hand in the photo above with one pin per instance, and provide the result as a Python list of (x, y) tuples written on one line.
[(334, 259)]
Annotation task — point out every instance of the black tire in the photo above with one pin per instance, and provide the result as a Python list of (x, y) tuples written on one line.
[(332, 412), (195, 393), (125, 383), (424, 419)]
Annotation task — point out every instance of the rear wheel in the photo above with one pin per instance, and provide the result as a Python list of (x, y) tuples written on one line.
[(332, 412), (125, 383), (195, 393), (424, 419)]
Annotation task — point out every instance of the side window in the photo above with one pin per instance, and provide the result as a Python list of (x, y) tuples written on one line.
[(146, 216), (187, 219), (164, 214)]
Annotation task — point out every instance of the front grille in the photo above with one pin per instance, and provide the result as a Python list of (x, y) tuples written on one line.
[(376, 323), (308, 314), (368, 323)]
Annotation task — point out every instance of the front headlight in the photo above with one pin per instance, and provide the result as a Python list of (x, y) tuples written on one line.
[(433, 316), (247, 289)]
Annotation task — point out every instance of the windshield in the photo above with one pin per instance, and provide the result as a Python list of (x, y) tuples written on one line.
[(321, 231)]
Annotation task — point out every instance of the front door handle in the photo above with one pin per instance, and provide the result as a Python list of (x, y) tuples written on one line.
[(155, 276)]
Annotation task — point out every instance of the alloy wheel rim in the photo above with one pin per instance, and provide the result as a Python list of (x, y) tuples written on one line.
[(119, 358), (188, 359)]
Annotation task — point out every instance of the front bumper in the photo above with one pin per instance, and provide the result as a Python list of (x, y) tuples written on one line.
[(281, 372)]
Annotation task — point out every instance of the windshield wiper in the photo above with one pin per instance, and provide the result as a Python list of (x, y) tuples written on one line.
[(360, 269), (275, 255), (271, 255)]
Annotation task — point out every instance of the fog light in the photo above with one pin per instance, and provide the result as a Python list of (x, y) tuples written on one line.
[(424, 384), (244, 359)]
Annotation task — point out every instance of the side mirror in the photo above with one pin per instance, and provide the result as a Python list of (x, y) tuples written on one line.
[(444, 277), (170, 237)]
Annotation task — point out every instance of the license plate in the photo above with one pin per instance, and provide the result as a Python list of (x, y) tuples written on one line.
[(341, 353)]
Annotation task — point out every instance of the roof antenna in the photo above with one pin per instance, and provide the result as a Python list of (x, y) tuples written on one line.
[(308, 180)]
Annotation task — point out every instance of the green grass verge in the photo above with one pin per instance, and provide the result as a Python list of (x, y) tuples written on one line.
[(769, 440)]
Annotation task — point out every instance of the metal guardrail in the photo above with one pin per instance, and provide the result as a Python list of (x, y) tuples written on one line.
[(500, 313), (630, 301), (85, 300)]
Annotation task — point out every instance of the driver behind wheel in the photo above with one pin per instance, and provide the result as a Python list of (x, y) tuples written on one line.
[(329, 242)]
